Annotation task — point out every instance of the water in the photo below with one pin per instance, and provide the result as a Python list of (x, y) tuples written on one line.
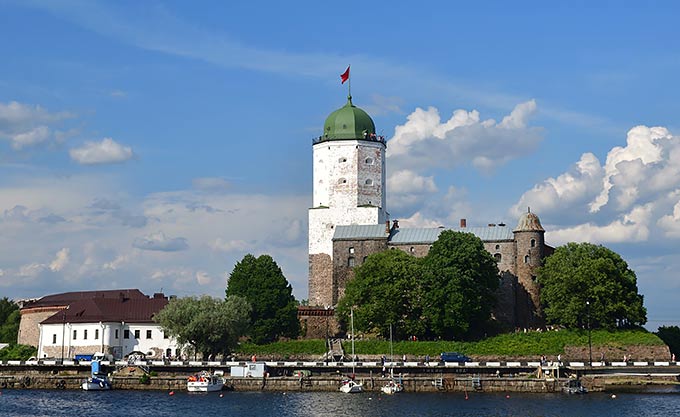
[(665, 402)]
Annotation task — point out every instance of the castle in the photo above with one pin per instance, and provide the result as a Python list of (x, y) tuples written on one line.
[(348, 221)]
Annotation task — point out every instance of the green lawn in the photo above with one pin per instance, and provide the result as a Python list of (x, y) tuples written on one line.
[(512, 344)]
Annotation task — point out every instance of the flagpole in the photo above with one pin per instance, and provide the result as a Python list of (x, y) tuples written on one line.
[(349, 85)]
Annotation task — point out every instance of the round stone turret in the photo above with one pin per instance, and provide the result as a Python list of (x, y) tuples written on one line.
[(529, 222), (348, 122)]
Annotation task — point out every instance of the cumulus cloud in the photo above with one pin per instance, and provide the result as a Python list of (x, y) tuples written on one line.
[(25, 125), (107, 151), (425, 141), (633, 196), (60, 260), (418, 220), (202, 278), (159, 242), (408, 188)]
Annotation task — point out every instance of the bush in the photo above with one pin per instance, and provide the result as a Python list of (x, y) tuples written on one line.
[(17, 352)]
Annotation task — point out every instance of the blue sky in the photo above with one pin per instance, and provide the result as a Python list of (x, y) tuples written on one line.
[(153, 144)]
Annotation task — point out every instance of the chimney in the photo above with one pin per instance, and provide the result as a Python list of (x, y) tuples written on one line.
[(463, 223), (387, 227), (395, 224)]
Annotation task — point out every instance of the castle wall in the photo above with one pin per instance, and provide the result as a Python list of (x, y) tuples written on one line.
[(29, 326), (349, 254), (530, 254)]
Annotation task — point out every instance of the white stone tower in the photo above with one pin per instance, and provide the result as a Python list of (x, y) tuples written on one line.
[(349, 188)]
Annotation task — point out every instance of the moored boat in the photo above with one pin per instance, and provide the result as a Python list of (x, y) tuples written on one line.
[(351, 387), (392, 387), (96, 383), (205, 382)]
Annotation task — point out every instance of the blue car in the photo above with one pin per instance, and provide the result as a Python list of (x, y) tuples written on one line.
[(454, 357)]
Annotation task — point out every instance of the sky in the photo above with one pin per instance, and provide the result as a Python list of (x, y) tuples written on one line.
[(153, 144)]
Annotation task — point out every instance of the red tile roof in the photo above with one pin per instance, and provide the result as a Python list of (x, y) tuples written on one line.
[(66, 298)]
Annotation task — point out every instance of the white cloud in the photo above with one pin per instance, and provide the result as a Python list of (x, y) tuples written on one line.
[(25, 126), (424, 141), (202, 278), (60, 260), (230, 246), (31, 270), (159, 242), (418, 220), (107, 151), (32, 137)]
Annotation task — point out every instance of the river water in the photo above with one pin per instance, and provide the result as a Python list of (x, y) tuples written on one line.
[(661, 402)]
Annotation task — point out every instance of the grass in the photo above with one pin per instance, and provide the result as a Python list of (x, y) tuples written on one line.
[(511, 344)]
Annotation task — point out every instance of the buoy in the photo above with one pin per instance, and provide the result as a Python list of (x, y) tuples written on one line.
[(171, 393), (613, 396), (221, 395), (507, 396)]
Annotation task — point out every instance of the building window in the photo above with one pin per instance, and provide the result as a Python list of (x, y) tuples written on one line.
[(364, 260), (136, 334), (533, 243), (351, 250), (533, 278), (54, 339), (148, 334), (116, 333), (165, 336), (498, 247), (412, 249), (369, 161), (342, 160), (369, 182), (85, 334), (126, 334), (497, 257), (96, 334), (342, 181), (526, 259), (350, 261), (75, 334)]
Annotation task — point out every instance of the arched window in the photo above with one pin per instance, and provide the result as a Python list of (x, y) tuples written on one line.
[(368, 161), (526, 259), (498, 247), (412, 249), (533, 243), (350, 262), (369, 182), (497, 257)]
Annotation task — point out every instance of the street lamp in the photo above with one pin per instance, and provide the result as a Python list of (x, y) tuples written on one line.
[(63, 330), (590, 345)]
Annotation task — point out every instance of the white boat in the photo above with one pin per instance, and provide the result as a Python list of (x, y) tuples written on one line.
[(96, 383), (205, 382), (392, 387), (350, 386)]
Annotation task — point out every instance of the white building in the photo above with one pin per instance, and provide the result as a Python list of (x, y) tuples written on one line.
[(349, 188), (115, 326)]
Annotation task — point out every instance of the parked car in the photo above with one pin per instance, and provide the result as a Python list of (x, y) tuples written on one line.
[(454, 357)]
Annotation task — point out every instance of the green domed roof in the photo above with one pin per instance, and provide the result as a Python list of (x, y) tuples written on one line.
[(348, 122)]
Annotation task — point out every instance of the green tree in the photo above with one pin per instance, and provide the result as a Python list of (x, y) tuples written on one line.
[(9, 320), (385, 291), (209, 325), (459, 283), (274, 309), (670, 336), (17, 352), (583, 284)]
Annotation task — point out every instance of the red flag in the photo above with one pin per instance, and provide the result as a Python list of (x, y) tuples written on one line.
[(345, 75)]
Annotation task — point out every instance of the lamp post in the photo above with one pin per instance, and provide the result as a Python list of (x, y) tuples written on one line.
[(63, 330), (590, 345)]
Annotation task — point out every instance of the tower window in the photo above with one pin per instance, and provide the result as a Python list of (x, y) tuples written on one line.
[(369, 182), (351, 250), (526, 259), (350, 262), (498, 247), (533, 243), (369, 161), (497, 257), (342, 181), (412, 249), (343, 159)]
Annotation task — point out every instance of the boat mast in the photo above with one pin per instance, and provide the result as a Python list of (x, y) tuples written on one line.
[(351, 311)]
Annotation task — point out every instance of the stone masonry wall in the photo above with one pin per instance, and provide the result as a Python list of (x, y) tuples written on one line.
[(29, 326)]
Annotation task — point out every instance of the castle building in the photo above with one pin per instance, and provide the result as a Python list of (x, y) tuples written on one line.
[(348, 221)]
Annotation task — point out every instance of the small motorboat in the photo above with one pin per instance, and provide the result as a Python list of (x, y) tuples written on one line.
[(573, 386), (351, 387), (205, 382), (96, 383), (392, 387), (97, 380)]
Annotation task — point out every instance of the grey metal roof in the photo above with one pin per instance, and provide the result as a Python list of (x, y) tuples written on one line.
[(405, 235), (360, 231)]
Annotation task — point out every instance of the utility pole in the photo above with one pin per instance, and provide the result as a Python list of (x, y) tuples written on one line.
[(590, 344)]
